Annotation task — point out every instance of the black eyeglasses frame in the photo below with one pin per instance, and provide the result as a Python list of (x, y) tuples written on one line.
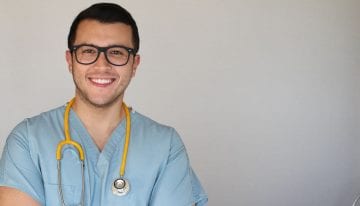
[(104, 50)]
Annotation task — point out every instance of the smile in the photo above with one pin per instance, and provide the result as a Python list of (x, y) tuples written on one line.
[(102, 82)]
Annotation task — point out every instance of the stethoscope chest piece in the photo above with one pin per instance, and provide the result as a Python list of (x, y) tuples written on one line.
[(120, 187)]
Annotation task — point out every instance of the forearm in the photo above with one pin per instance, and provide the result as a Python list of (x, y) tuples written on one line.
[(14, 197)]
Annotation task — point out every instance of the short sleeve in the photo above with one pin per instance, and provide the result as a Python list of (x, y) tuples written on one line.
[(17, 167), (177, 184)]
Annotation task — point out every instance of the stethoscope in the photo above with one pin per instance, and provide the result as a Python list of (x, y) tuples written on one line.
[(356, 200), (120, 185)]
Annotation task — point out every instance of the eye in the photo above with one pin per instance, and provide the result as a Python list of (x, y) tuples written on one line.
[(117, 52), (88, 51)]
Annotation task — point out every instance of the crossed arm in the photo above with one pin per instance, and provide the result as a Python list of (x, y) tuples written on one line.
[(13, 197)]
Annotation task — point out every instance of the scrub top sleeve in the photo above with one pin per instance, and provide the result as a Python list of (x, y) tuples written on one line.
[(199, 193), (18, 170), (176, 184)]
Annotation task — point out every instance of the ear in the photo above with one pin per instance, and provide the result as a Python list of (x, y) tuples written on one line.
[(69, 61), (135, 64)]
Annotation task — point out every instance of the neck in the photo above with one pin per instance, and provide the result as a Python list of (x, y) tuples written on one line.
[(100, 122)]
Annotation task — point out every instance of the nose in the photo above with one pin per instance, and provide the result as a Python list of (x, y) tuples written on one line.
[(102, 61)]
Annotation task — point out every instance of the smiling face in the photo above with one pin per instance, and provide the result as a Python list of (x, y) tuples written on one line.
[(102, 84)]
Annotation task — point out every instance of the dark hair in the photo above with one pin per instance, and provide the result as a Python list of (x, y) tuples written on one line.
[(105, 13)]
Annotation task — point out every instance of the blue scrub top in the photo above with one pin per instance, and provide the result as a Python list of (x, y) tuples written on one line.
[(157, 168)]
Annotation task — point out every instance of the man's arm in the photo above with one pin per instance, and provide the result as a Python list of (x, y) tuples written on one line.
[(177, 184), (14, 197), (20, 177)]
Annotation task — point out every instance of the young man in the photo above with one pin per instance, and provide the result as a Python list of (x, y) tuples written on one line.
[(125, 158)]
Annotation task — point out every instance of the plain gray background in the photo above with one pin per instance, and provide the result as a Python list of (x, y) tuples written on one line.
[(265, 93)]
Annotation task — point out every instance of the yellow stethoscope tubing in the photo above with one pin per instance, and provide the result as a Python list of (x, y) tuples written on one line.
[(68, 140), (127, 140)]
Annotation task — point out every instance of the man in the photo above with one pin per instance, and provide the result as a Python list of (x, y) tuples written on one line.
[(154, 168)]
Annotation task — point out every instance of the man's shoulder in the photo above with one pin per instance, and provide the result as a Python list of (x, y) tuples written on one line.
[(40, 120), (47, 115), (153, 128), (36, 128), (142, 120)]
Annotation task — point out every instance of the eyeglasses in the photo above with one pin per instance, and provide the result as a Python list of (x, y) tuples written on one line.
[(88, 54)]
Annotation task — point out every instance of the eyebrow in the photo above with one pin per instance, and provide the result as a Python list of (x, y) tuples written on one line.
[(111, 45)]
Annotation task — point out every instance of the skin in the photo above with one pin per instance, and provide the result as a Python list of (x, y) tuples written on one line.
[(102, 96), (14, 197), (96, 103)]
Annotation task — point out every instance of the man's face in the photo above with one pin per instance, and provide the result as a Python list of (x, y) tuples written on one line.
[(102, 84)]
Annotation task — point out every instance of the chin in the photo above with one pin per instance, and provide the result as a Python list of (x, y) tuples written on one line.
[(99, 100), (103, 102)]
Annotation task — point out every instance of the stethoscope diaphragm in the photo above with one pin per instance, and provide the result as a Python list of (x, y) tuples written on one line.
[(120, 187)]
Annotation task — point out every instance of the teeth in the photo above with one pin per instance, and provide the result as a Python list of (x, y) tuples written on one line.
[(101, 81)]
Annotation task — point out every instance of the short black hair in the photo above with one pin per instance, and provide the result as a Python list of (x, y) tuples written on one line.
[(105, 13)]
